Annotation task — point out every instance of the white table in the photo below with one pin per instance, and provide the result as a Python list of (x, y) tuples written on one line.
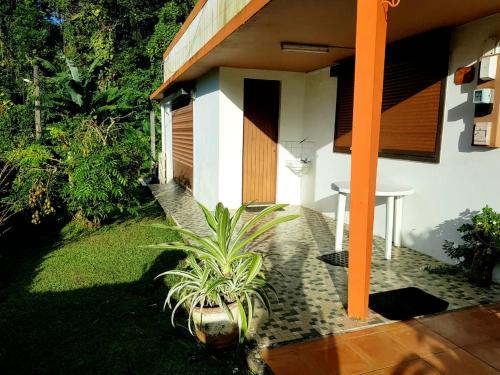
[(394, 192)]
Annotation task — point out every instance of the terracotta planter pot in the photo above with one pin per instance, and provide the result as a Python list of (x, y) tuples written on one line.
[(481, 271), (214, 328)]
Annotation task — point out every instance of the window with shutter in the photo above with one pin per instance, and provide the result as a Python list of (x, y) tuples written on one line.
[(414, 79)]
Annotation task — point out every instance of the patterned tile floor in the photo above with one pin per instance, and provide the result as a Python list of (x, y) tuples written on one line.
[(312, 293)]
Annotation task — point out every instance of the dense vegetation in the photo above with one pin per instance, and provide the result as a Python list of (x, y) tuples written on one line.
[(89, 67)]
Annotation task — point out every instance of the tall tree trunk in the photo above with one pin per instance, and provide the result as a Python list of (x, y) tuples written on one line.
[(38, 116)]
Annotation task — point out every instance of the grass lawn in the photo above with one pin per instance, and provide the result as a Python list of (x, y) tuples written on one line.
[(90, 305)]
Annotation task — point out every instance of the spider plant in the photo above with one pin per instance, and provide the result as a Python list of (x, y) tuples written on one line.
[(221, 269)]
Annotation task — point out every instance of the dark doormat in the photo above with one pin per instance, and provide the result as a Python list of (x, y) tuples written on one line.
[(257, 208), (406, 303), (339, 258)]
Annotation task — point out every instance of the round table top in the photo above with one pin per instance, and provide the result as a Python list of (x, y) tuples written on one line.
[(383, 188)]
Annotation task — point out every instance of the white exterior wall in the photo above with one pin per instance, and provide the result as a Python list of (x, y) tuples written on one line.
[(205, 140), (319, 120), (466, 178), (231, 132)]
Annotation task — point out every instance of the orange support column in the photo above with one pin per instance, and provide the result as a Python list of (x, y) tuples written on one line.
[(371, 27)]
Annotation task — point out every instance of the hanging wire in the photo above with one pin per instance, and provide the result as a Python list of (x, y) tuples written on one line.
[(387, 4), (391, 3)]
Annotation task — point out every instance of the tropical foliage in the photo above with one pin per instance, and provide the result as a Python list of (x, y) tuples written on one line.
[(481, 234), (6, 209), (479, 250), (223, 268), (97, 63)]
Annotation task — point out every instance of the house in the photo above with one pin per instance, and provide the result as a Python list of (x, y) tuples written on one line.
[(260, 97)]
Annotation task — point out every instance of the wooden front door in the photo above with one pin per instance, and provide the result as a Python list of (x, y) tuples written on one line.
[(260, 137)]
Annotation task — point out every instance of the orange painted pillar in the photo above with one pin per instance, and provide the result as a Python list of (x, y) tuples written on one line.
[(371, 27)]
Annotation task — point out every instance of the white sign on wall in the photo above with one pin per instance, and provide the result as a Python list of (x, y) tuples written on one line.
[(482, 131)]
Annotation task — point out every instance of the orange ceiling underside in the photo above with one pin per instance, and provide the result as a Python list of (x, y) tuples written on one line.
[(257, 43)]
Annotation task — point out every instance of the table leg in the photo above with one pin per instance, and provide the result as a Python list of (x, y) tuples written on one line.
[(389, 223), (340, 222), (398, 220)]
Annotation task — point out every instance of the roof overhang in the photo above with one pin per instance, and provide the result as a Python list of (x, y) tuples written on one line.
[(253, 38), (177, 91)]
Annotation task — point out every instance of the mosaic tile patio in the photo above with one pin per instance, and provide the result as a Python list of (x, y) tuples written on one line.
[(312, 293)]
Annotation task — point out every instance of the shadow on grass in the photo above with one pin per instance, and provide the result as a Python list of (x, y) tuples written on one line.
[(112, 328)]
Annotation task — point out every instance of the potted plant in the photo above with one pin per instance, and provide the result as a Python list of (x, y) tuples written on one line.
[(223, 275), (480, 249)]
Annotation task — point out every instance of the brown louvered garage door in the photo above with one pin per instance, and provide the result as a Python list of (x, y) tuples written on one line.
[(182, 144)]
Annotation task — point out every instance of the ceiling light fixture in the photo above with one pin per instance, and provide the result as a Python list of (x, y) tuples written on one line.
[(304, 48)]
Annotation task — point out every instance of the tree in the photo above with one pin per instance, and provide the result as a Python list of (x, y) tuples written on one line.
[(25, 34), (98, 61), (170, 19)]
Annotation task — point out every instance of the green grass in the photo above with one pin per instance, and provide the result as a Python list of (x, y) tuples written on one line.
[(90, 306)]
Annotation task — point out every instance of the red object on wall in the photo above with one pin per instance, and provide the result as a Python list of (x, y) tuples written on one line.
[(464, 74)]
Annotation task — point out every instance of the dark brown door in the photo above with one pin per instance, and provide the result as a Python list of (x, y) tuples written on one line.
[(182, 145), (260, 137)]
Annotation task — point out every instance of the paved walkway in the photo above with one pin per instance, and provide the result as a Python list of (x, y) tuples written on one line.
[(312, 293), (464, 342)]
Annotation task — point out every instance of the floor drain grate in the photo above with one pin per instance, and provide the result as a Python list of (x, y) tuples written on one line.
[(338, 259)]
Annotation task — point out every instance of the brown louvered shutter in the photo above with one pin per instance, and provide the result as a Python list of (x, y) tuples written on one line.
[(414, 75), (182, 144), (345, 101)]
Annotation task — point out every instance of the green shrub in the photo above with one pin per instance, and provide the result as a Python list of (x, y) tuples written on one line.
[(36, 186), (101, 181), (6, 211), (87, 170), (17, 127), (483, 233), (102, 164)]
